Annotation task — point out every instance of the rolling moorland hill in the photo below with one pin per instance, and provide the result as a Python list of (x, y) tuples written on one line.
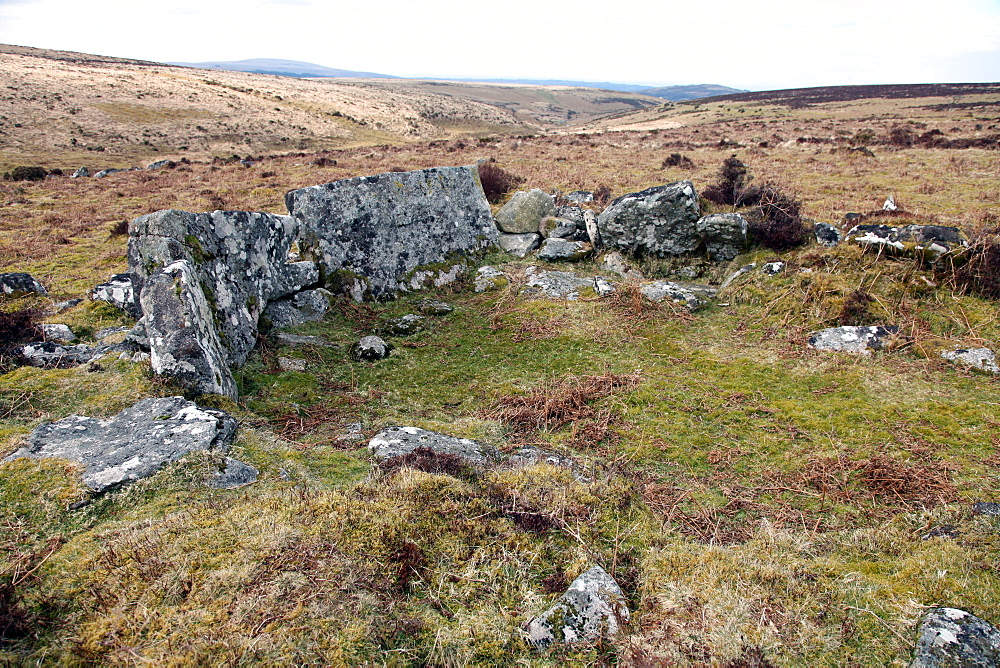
[(759, 502)]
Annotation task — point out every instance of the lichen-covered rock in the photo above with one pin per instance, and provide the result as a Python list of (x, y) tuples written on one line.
[(286, 339), (560, 284), (563, 250), (436, 307), (57, 332), (658, 221), (180, 328), (81, 172), (928, 243), (724, 235), (573, 213), (123, 291), (411, 323), (371, 349), (489, 278), (292, 364), (560, 228), (396, 441), (239, 260), (852, 339), (826, 234), (302, 307), (519, 245), (949, 637), (580, 197), (18, 284), (524, 211), (421, 279), (616, 262), (978, 359), (133, 444), (377, 230), (592, 608), (234, 474), (772, 268), (689, 296), (51, 355)]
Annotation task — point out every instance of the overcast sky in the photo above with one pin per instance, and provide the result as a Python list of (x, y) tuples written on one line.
[(754, 45)]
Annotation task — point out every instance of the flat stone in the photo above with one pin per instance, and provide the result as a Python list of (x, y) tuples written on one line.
[(102, 334), (234, 474), (396, 441), (851, 339), (772, 268), (658, 221), (62, 307), (433, 307), (524, 211), (57, 332), (286, 339), (616, 262), (928, 243), (18, 284), (489, 278), (371, 348), (291, 364), (562, 250), (51, 355), (687, 295), (953, 637), (742, 271), (558, 284), (977, 359), (133, 444), (589, 610), (519, 245), (402, 326)]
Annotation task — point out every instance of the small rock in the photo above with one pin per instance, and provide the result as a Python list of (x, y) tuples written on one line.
[(235, 474), (986, 508), (603, 287), (952, 637), (291, 364), (978, 359), (371, 348), (890, 204), (102, 334), (433, 307), (56, 332), (406, 325), (924, 242), (519, 245), (531, 455), (616, 262), (51, 355), (724, 234), (62, 307), (772, 268), (557, 284), (18, 284), (742, 271), (122, 290), (852, 339), (302, 307), (108, 172), (80, 172), (525, 211), (561, 250), (592, 228), (286, 339), (658, 291), (943, 531), (826, 234), (573, 213), (580, 197), (396, 441), (160, 164), (592, 608), (489, 278)]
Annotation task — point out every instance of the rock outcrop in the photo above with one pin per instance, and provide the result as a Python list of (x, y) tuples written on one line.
[(952, 637), (592, 608), (133, 444), (662, 221)]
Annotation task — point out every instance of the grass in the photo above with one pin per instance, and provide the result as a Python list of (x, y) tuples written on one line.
[(756, 500)]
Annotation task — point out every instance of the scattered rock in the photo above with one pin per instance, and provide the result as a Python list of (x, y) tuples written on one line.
[(406, 325), (742, 271), (724, 235), (693, 297), (489, 278), (235, 474), (51, 355), (286, 339), (924, 242), (826, 234), (371, 348), (580, 197), (519, 245), (986, 508), (102, 334), (616, 262), (108, 172), (123, 291), (62, 307), (55, 332), (952, 637), (531, 455), (161, 164), (133, 444), (80, 173), (524, 211), (562, 250), (592, 608), (302, 307), (890, 204), (435, 307), (396, 441), (853, 339), (978, 359), (658, 221), (370, 234), (291, 364), (559, 284), (18, 284), (772, 268)]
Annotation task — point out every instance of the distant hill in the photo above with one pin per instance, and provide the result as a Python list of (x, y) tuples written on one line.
[(801, 97), (285, 68), (683, 93)]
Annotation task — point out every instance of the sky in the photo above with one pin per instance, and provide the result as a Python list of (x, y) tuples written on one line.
[(761, 45)]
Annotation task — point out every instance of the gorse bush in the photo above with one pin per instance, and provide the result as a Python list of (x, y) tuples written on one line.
[(25, 174), (497, 181)]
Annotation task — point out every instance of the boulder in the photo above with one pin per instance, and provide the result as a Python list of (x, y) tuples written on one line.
[(57, 332), (563, 250), (524, 211), (370, 349), (978, 359), (924, 242), (826, 234), (368, 235), (18, 284), (123, 291), (133, 444), (658, 221), (691, 297), (395, 441), (406, 325), (953, 637), (80, 173), (180, 328), (853, 339), (435, 307), (593, 607), (234, 474), (489, 278), (724, 235), (573, 213), (519, 245), (302, 307)]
